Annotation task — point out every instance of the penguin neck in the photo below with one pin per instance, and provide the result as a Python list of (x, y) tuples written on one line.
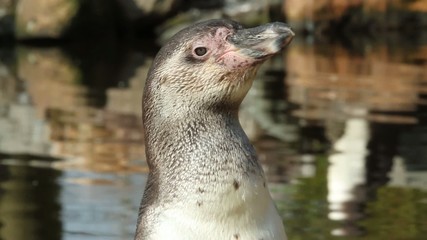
[(188, 126), (190, 141)]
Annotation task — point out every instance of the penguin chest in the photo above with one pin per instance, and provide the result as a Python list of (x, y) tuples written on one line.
[(241, 209)]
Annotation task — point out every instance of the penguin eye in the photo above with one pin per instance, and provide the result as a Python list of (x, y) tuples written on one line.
[(200, 51)]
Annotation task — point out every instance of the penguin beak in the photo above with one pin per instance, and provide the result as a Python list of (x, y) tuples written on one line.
[(262, 41)]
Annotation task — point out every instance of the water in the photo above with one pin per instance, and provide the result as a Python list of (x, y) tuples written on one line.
[(341, 134)]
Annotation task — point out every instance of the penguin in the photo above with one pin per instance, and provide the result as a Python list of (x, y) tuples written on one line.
[(205, 181)]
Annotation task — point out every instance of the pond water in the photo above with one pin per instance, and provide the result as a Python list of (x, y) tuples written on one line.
[(340, 129)]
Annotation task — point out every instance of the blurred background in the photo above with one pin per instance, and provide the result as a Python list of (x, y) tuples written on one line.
[(339, 119)]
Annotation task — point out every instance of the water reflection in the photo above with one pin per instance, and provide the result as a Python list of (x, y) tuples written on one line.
[(46, 114), (341, 136), (100, 206), (47, 111), (29, 203), (332, 82), (369, 106), (346, 176)]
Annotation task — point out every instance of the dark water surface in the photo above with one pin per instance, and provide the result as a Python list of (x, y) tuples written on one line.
[(341, 134)]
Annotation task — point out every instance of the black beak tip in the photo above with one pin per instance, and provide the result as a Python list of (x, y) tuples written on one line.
[(282, 28)]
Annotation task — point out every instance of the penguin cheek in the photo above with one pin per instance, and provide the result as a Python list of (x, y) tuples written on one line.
[(234, 60)]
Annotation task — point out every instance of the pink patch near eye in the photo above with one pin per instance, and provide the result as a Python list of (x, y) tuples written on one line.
[(235, 60)]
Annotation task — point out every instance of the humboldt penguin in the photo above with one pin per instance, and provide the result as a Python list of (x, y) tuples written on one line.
[(205, 181)]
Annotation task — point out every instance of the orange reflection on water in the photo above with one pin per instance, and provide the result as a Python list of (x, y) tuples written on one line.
[(91, 138), (98, 148), (330, 82)]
